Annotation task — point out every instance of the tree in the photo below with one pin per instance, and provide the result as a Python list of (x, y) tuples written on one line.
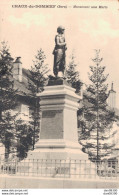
[(7, 97), (24, 138), (38, 78), (72, 75), (96, 119), (7, 92), (7, 132)]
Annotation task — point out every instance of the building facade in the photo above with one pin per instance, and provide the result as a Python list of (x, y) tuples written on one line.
[(24, 100)]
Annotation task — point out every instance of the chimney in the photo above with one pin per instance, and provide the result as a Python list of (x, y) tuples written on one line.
[(17, 69), (112, 97)]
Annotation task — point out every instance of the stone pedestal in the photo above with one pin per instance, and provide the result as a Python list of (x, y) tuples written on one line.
[(58, 153), (58, 136)]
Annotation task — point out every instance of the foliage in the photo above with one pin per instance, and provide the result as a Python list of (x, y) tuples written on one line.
[(38, 78), (38, 73), (7, 92), (7, 127), (7, 98), (24, 138), (72, 75), (96, 119)]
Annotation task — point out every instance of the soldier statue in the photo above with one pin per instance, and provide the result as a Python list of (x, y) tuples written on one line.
[(59, 53)]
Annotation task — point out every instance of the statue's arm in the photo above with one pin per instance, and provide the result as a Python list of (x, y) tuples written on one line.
[(58, 42)]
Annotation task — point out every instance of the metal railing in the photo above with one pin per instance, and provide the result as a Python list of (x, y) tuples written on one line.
[(56, 168)]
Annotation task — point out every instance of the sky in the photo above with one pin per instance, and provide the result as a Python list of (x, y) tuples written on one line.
[(86, 29)]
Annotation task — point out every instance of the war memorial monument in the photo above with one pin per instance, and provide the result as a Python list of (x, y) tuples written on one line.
[(58, 104)]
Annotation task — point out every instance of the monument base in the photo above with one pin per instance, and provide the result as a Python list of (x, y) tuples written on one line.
[(57, 149), (58, 152), (57, 81), (59, 158)]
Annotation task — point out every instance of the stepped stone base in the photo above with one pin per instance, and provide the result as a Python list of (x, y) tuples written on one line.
[(58, 144), (57, 149), (59, 158)]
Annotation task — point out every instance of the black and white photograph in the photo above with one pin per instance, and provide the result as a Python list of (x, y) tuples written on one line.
[(59, 92)]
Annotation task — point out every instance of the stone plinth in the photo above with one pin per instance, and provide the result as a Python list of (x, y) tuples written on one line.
[(58, 137)]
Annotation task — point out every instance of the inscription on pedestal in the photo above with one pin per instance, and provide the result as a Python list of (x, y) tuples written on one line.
[(49, 114), (52, 124)]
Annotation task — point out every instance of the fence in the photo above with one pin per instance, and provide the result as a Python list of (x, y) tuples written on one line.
[(61, 168)]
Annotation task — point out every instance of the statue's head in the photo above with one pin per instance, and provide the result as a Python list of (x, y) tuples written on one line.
[(60, 29)]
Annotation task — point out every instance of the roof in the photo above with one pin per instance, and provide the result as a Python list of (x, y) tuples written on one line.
[(25, 72)]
